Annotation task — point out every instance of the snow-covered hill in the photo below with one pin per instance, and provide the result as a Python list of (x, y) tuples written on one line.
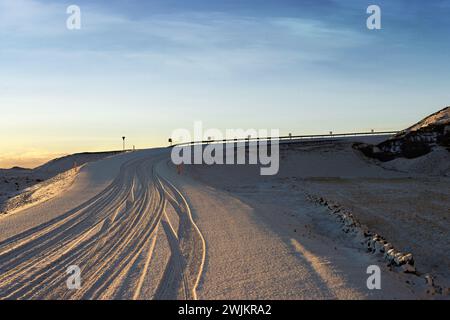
[(21, 187), (431, 133), (59, 165), (440, 118)]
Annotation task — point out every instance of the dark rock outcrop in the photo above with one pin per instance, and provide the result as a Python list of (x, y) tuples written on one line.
[(416, 141)]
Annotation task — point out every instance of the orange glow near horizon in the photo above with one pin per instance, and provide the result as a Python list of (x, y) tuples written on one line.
[(31, 155)]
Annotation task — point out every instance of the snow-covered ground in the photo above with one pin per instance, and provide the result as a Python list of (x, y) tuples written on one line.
[(21, 188), (435, 163), (106, 223), (409, 208), (39, 192), (442, 117), (138, 230), (267, 241)]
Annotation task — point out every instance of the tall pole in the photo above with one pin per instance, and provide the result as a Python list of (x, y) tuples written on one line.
[(123, 138)]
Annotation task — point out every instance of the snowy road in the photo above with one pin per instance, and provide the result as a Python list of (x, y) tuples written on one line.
[(111, 238), (134, 235)]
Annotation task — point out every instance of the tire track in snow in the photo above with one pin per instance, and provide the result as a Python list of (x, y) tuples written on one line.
[(111, 238), (181, 206)]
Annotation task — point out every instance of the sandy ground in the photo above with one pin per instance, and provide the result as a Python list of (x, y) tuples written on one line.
[(137, 230)]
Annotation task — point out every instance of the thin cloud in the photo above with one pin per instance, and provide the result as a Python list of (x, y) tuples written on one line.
[(169, 33)]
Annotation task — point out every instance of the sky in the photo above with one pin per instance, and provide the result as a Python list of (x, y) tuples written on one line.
[(142, 69)]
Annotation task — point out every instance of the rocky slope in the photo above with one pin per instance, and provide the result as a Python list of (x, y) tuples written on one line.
[(431, 133)]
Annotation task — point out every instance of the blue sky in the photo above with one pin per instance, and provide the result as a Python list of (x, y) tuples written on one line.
[(145, 68)]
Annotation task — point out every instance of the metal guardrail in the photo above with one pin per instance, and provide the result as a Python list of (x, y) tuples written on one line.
[(290, 137)]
